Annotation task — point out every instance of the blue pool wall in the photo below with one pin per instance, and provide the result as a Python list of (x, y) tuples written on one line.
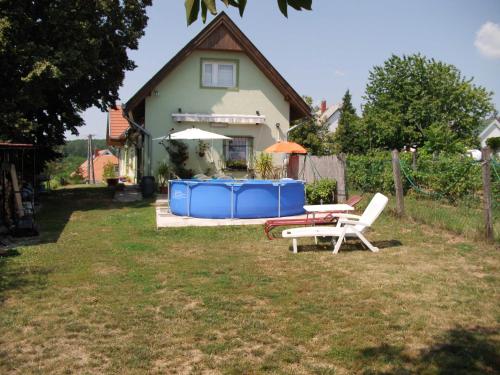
[(246, 199)]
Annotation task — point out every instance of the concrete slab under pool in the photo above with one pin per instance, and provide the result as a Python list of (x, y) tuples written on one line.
[(165, 219)]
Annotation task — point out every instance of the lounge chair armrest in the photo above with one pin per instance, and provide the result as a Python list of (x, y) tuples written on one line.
[(352, 222), (345, 216)]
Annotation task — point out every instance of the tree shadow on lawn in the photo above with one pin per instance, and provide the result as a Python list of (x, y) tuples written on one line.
[(20, 277), (458, 351), (350, 245), (59, 205)]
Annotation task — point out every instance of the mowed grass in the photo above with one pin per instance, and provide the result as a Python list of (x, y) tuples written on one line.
[(463, 219), (104, 292)]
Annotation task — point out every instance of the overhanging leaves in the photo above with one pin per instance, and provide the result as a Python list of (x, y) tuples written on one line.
[(195, 7)]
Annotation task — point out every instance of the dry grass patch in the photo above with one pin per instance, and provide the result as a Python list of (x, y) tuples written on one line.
[(226, 300)]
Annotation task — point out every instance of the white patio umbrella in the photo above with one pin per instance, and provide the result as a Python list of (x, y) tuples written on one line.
[(192, 133)]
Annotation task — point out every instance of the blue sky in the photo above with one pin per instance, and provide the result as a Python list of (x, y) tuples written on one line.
[(332, 48)]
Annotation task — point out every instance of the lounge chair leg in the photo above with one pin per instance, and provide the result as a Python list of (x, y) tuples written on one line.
[(294, 244), (366, 242), (339, 242)]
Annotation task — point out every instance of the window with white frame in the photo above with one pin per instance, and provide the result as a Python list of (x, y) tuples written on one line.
[(219, 74), (238, 152)]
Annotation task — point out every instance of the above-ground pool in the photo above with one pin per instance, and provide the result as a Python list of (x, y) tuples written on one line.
[(220, 199)]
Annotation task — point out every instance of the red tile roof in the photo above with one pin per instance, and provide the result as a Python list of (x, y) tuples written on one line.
[(100, 162), (117, 125)]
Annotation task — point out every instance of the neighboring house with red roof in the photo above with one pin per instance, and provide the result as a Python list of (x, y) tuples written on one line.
[(219, 82), (330, 115), (117, 135), (101, 158)]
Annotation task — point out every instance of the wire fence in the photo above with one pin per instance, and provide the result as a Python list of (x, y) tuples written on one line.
[(445, 191)]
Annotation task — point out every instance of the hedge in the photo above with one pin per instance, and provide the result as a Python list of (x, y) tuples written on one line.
[(451, 177)]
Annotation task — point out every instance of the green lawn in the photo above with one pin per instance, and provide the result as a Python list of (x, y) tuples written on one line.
[(103, 292)]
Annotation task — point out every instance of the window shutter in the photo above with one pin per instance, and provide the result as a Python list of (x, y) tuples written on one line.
[(225, 75), (208, 75)]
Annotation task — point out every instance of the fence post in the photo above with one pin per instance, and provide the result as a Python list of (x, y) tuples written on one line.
[(486, 172), (341, 178), (414, 159), (398, 185)]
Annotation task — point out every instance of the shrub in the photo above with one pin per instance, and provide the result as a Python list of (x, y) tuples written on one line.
[(264, 165), (163, 173), (371, 172), (178, 154), (493, 143), (321, 191), (449, 176), (239, 165), (109, 171)]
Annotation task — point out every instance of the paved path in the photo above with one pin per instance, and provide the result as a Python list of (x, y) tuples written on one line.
[(130, 193)]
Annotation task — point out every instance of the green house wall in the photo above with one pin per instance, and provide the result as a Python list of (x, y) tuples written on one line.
[(182, 89)]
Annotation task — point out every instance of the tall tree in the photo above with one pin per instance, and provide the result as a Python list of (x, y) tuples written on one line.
[(195, 7), (310, 132), (347, 137), (58, 58), (413, 100)]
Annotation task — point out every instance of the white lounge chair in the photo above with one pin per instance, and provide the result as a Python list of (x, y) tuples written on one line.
[(348, 225)]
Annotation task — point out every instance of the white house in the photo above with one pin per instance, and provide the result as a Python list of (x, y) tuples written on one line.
[(330, 115), (492, 129)]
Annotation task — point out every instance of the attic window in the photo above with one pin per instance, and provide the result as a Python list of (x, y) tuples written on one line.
[(221, 74)]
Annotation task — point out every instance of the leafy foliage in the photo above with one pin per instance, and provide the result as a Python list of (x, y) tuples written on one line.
[(58, 58), (493, 143), (321, 191), (163, 174), (195, 7), (448, 176), (109, 171), (177, 151), (264, 165), (240, 165), (65, 170), (371, 172), (413, 100), (348, 137), (310, 133), (78, 147)]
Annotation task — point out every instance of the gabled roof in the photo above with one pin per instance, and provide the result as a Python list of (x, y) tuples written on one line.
[(488, 124), (100, 162), (330, 111), (222, 34), (117, 126)]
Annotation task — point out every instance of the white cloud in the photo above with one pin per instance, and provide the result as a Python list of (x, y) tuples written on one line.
[(488, 40), (339, 73)]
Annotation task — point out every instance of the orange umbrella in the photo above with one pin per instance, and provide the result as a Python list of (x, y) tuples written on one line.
[(287, 147)]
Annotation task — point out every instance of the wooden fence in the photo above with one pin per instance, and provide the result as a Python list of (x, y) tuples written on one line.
[(312, 168)]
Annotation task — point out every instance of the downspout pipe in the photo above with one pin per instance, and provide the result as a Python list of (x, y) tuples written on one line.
[(148, 135)]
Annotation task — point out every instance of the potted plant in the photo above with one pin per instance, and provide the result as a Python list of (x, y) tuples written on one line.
[(237, 165), (109, 174), (202, 148), (163, 176)]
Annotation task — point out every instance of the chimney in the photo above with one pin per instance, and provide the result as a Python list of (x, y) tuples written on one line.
[(323, 106)]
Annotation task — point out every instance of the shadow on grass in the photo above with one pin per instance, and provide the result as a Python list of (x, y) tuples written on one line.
[(350, 245), (59, 205), (20, 277), (458, 351)]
